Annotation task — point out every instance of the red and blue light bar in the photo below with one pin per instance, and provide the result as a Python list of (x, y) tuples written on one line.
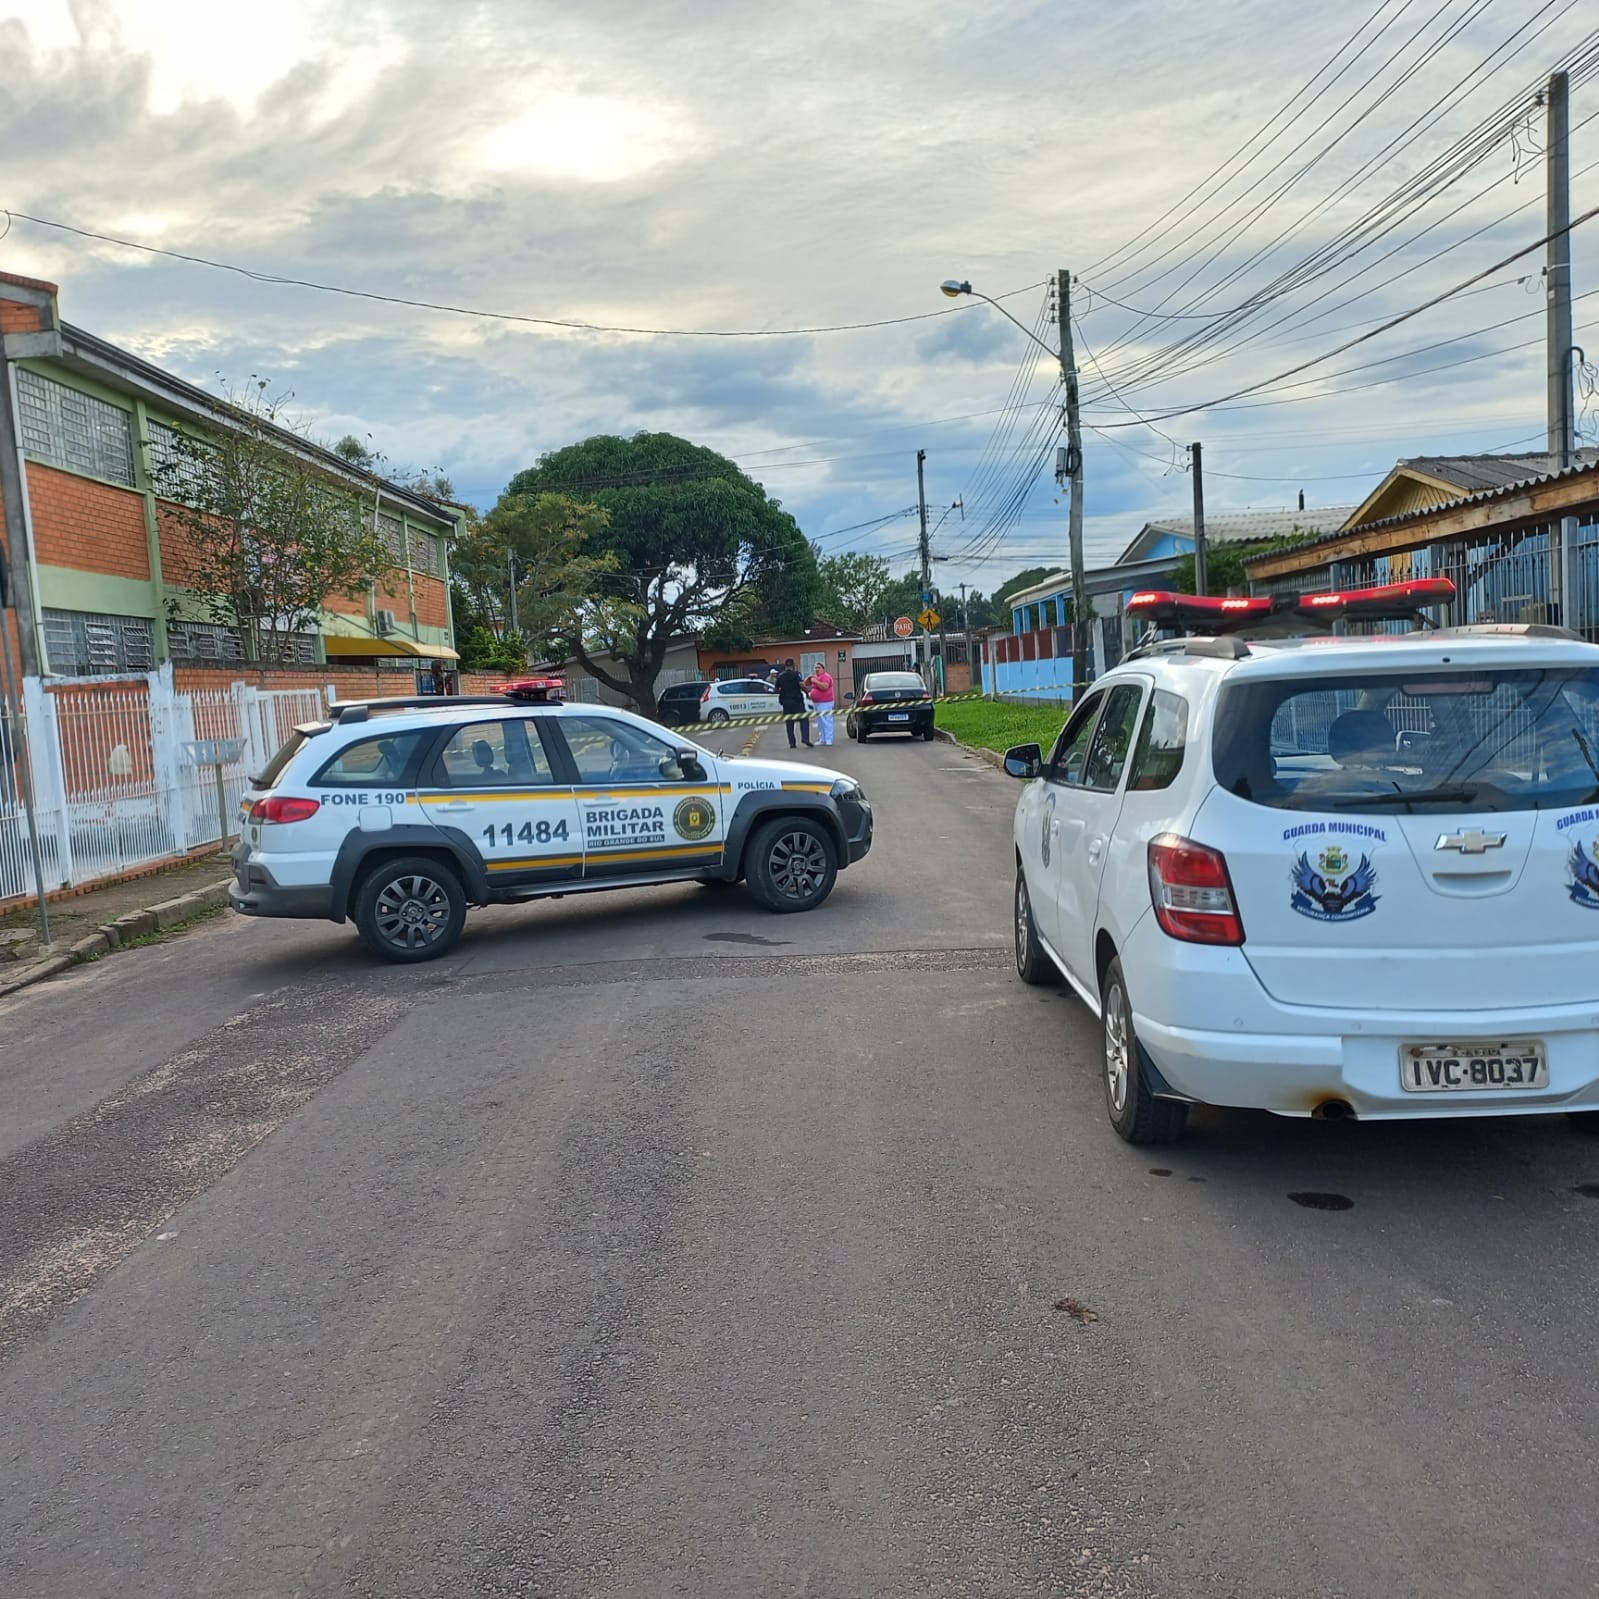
[(1217, 614), (534, 690)]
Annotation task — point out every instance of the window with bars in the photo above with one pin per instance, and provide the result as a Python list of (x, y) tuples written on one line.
[(204, 641), (83, 644), (175, 467), (427, 553), (64, 427), (391, 531)]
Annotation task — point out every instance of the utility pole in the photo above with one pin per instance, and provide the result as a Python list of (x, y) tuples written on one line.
[(1561, 416), (925, 550), (510, 573), (1201, 553), (1074, 471)]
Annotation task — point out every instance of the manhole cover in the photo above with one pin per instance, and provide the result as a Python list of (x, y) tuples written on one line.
[(1323, 1201)]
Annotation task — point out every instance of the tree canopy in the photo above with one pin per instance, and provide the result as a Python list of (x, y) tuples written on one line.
[(852, 587), (691, 541), (1224, 564)]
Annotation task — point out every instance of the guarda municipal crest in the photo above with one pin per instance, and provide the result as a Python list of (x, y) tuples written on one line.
[(1332, 888), (1584, 870)]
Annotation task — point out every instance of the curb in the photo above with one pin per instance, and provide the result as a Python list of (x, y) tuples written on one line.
[(994, 759), (136, 924)]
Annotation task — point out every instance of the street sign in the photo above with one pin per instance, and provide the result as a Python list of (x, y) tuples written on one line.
[(929, 618), (903, 627), (213, 751)]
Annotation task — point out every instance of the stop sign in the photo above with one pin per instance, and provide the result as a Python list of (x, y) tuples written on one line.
[(903, 627)]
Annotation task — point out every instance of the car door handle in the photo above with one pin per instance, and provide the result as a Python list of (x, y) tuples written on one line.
[(456, 805), (1096, 846)]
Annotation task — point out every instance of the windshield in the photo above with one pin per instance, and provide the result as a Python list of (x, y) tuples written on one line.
[(1466, 739)]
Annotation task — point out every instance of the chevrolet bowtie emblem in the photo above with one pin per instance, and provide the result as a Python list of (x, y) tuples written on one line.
[(1471, 842)]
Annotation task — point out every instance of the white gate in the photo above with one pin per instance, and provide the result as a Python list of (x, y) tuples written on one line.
[(114, 789)]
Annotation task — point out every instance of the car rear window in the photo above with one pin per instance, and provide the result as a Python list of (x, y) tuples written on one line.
[(1461, 739), (272, 774), (886, 680)]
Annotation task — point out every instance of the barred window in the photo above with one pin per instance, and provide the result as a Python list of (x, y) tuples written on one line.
[(174, 464), (204, 641), (427, 554), (391, 531), (66, 428), (82, 644)]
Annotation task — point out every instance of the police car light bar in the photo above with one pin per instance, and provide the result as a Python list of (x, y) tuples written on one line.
[(1212, 613), (534, 690)]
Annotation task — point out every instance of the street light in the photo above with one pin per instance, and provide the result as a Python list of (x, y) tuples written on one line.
[(954, 288)]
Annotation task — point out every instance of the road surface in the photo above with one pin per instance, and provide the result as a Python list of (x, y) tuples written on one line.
[(653, 1245)]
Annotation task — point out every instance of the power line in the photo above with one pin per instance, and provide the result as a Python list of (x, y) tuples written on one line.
[(494, 316)]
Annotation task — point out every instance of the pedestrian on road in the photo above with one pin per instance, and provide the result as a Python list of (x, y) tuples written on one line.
[(791, 696), (822, 690)]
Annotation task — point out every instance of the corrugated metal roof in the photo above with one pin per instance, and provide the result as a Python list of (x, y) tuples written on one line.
[(1475, 473), (1480, 497)]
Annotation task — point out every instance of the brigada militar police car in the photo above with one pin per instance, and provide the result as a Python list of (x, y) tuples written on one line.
[(1325, 876), (399, 814)]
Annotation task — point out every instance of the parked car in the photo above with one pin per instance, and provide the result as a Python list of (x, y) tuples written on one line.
[(891, 702), (1325, 876), (679, 703), (399, 815), (740, 696)]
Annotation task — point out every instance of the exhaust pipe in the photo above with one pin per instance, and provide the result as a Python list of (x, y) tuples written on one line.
[(1333, 1110)]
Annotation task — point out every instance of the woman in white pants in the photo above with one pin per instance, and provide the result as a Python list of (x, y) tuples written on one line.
[(822, 691)]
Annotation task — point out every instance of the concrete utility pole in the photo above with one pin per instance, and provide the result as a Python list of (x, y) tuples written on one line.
[(1561, 405), (924, 549), (510, 574), (1201, 553), (1074, 471)]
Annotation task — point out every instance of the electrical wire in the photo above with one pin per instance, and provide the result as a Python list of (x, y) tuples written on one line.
[(566, 323)]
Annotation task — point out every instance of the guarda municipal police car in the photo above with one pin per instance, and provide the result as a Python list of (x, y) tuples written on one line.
[(1325, 876), (399, 814)]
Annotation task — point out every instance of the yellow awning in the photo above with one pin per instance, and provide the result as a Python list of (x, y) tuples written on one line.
[(350, 644)]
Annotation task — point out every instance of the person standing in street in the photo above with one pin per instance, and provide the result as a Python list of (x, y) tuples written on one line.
[(791, 697), (823, 691)]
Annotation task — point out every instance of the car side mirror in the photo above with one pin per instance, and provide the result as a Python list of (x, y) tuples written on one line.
[(849, 699), (688, 762), (1024, 761)]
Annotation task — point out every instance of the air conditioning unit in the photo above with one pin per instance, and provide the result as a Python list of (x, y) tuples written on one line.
[(386, 623)]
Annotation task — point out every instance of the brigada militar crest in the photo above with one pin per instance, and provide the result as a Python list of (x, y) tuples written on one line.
[(1335, 889), (694, 818)]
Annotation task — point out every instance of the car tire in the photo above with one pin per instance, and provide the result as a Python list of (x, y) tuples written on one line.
[(1586, 1121), (860, 733), (717, 714), (927, 735), (410, 909), (1032, 964), (791, 863), (1134, 1112)]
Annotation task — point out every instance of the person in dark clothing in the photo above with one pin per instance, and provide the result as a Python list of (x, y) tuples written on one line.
[(791, 697)]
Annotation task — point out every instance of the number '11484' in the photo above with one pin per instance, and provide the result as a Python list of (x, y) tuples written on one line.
[(527, 833)]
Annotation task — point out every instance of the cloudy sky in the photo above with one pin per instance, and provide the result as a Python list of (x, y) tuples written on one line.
[(1238, 168)]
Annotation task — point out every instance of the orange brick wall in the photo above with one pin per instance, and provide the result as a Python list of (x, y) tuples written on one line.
[(15, 317), (352, 683), (85, 525)]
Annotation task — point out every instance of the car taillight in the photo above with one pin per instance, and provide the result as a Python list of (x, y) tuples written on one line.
[(1192, 892), (706, 695), (283, 808), (865, 699)]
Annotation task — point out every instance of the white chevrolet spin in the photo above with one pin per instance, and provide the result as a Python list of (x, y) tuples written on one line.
[(1325, 876)]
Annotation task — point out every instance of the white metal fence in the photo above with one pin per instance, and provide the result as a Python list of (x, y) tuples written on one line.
[(113, 785)]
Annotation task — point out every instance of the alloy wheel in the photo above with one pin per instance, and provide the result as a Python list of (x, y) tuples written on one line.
[(1022, 917), (1117, 1052), (798, 864), (412, 912)]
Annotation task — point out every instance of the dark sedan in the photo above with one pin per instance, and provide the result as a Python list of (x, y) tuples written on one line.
[(679, 704), (891, 702)]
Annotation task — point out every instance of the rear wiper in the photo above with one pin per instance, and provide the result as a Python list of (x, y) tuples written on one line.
[(1461, 792)]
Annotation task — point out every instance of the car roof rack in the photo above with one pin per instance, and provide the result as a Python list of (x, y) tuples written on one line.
[(1223, 647), (360, 710), (1516, 630)]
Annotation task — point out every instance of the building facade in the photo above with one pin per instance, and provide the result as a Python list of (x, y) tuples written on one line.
[(95, 565)]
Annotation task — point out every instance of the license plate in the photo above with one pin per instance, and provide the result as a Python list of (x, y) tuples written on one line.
[(1472, 1065), (899, 716)]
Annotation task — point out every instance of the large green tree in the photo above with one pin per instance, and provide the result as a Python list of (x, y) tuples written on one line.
[(853, 587), (692, 541), (1224, 564)]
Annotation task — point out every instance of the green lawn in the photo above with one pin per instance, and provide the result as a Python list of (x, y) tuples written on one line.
[(993, 725)]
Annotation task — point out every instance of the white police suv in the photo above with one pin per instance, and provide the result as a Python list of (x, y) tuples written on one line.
[(399, 814), (1325, 876)]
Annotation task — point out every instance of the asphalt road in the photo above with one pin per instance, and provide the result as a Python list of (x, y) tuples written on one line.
[(652, 1245)]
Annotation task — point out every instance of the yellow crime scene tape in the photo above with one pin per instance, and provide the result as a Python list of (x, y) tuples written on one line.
[(777, 718)]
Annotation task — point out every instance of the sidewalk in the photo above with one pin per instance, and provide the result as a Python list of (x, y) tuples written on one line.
[(93, 923)]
